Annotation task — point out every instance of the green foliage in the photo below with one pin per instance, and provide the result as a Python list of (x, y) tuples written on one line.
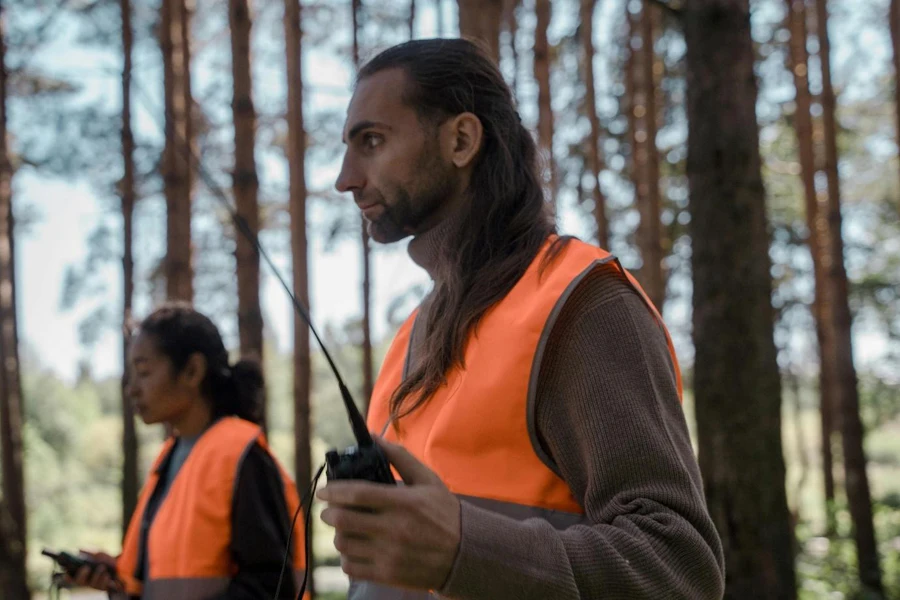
[(826, 568)]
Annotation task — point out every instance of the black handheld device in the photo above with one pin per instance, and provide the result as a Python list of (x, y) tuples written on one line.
[(71, 564)]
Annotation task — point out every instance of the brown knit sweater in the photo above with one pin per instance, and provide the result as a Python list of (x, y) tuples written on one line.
[(608, 415)]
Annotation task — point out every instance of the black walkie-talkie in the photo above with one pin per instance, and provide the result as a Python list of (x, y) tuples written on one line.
[(363, 461)]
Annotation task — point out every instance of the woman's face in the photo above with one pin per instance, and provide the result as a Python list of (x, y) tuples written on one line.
[(159, 394)]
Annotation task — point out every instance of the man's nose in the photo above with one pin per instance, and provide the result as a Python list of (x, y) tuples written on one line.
[(351, 176)]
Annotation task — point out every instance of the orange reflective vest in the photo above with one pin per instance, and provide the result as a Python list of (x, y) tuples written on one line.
[(477, 432), (188, 540)]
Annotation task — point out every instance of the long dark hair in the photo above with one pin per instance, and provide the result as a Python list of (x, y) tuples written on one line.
[(508, 218), (179, 331)]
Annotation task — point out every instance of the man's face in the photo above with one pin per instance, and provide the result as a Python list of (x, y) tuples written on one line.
[(393, 163)]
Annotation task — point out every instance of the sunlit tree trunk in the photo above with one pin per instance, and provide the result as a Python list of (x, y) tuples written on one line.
[(245, 185), (737, 383), (480, 20), (799, 66), (542, 76), (13, 531), (649, 233), (595, 159), (296, 152), (130, 485), (176, 163), (847, 394)]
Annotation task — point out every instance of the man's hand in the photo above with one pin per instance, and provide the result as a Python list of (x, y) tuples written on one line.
[(406, 535), (100, 576)]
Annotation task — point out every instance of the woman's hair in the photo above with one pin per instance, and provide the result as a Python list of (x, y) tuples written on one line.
[(508, 218), (179, 331)]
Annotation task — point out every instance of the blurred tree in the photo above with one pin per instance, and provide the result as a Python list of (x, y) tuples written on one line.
[(412, 19), (799, 67), (847, 393), (296, 152), (246, 186), (646, 160), (13, 547), (130, 480), (894, 20), (480, 20), (595, 159), (545, 105), (177, 170), (510, 9), (737, 385), (368, 367)]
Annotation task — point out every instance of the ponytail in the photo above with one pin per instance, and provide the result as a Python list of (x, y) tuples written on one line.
[(238, 391)]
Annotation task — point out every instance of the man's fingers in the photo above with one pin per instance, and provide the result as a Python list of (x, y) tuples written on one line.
[(408, 466), (363, 495), (353, 522)]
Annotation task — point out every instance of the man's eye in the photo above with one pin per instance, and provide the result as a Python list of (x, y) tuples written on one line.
[(371, 140)]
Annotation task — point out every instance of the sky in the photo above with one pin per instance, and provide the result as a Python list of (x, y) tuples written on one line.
[(66, 211)]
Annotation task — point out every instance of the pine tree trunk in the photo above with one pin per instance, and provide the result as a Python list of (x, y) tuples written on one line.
[(176, 163), (130, 484), (412, 19), (799, 64), (545, 108), (595, 160), (512, 24), (736, 379), (246, 186), (847, 393), (632, 78), (894, 18), (368, 368), (13, 531), (479, 20), (296, 152), (650, 228)]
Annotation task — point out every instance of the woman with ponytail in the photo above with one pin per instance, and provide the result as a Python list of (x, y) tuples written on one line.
[(214, 517)]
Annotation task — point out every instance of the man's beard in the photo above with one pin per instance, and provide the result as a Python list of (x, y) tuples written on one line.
[(409, 210)]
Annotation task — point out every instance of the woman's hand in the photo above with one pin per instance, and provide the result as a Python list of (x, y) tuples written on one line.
[(100, 576)]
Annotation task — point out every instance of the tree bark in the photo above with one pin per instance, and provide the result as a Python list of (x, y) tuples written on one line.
[(412, 19), (595, 159), (847, 393), (13, 530), (176, 163), (130, 483), (650, 228), (479, 20), (737, 383), (368, 369), (545, 108), (296, 152), (246, 186), (512, 24), (799, 66), (894, 18)]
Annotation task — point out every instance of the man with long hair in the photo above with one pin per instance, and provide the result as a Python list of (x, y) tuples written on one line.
[(531, 404)]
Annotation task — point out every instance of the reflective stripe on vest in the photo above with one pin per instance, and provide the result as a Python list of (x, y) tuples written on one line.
[(477, 431), (188, 541)]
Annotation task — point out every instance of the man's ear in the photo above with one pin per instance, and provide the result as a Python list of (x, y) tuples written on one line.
[(194, 371), (465, 136)]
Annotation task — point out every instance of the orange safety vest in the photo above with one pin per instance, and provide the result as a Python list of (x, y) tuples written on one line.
[(477, 432), (188, 541)]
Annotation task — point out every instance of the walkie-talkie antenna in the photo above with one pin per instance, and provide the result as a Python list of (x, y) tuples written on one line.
[(357, 422)]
